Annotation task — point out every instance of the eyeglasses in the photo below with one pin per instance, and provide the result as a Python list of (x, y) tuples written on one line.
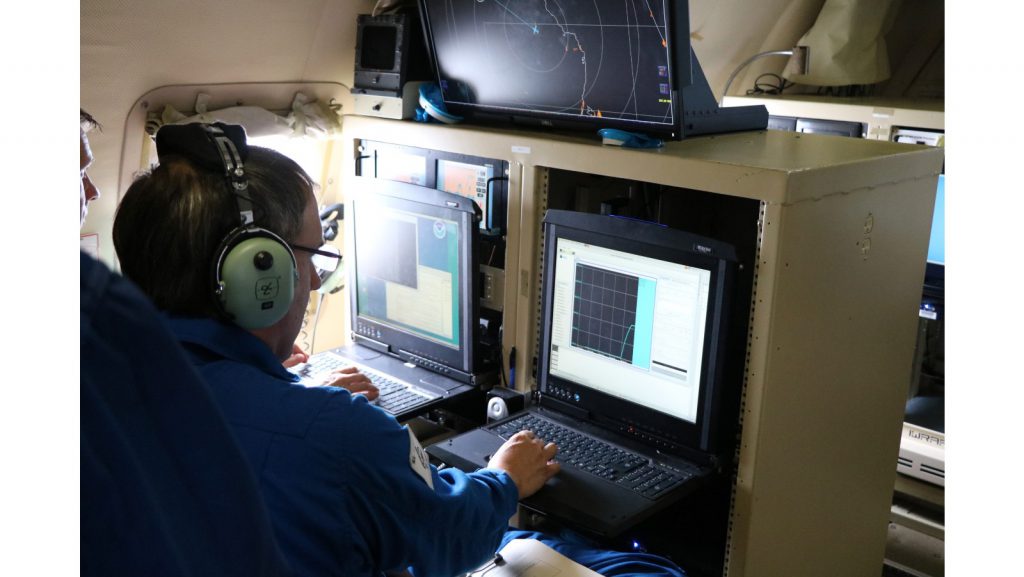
[(325, 259)]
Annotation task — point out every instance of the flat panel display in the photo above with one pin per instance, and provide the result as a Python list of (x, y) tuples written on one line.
[(634, 325), (630, 326), (415, 261), (408, 260), (599, 63)]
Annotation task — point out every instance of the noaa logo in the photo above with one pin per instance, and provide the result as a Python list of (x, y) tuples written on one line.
[(440, 230)]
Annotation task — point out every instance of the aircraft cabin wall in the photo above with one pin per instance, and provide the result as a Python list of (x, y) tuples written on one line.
[(129, 48)]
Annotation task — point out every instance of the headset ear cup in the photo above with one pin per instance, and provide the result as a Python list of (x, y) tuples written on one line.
[(255, 278)]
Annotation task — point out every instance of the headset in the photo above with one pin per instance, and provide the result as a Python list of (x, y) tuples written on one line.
[(254, 273)]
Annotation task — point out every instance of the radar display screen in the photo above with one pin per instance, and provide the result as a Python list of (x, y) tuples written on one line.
[(601, 61)]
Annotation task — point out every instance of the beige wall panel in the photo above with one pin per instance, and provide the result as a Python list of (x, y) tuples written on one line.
[(840, 336)]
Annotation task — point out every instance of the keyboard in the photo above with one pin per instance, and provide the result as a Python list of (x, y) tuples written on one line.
[(626, 468), (395, 397)]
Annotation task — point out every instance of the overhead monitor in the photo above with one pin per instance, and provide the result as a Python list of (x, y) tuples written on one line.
[(414, 272), (634, 323), (587, 65)]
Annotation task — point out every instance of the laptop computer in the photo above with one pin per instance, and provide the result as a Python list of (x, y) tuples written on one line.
[(632, 351), (413, 293)]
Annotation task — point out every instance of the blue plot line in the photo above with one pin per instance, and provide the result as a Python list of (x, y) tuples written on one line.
[(533, 27), (625, 339)]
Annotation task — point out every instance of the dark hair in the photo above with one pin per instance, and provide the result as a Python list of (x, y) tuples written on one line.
[(172, 220), (86, 122)]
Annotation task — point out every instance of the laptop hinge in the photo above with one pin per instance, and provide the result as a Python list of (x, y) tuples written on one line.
[(372, 344), (575, 412), (476, 379)]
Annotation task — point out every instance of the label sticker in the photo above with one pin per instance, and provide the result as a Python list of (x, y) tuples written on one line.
[(418, 460)]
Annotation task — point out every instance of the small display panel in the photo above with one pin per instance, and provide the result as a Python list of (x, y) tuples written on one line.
[(468, 180), (378, 47), (402, 167)]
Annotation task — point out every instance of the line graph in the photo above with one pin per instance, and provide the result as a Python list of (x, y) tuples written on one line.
[(604, 312)]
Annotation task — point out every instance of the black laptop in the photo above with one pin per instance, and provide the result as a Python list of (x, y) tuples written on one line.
[(630, 370), (412, 269)]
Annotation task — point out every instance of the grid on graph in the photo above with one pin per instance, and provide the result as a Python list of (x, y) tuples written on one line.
[(604, 312)]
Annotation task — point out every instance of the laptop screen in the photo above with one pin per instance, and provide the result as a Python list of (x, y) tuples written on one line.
[(634, 325), (414, 258), (629, 326)]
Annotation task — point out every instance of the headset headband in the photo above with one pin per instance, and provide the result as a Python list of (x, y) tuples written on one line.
[(215, 147)]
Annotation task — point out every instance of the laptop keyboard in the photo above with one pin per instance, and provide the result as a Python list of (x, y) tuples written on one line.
[(586, 453), (395, 396)]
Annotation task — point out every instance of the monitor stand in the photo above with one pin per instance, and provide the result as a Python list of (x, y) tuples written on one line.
[(702, 115)]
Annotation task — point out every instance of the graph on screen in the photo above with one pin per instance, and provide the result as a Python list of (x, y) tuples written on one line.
[(604, 312)]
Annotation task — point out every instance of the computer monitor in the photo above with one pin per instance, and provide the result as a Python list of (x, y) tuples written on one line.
[(634, 325), (484, 180), (589, 65), (413, 273)]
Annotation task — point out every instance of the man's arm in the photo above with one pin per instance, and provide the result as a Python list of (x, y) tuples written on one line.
[(409, 514)]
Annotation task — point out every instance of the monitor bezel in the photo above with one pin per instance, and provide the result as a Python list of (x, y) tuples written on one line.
[(680, 77), (675, 435), (395, 341)]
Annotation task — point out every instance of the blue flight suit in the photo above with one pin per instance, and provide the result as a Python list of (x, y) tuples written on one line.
[(603, 561), (335, 471), (165, 489)]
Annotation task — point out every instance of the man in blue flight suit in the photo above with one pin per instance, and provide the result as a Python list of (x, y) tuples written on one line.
[(165, 489), (349, 490)]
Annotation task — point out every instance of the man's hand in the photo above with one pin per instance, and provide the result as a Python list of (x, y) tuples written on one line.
[(354, 382), (297, 357), (527, 460)]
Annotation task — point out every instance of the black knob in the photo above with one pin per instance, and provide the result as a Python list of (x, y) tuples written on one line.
[(263, 260)]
